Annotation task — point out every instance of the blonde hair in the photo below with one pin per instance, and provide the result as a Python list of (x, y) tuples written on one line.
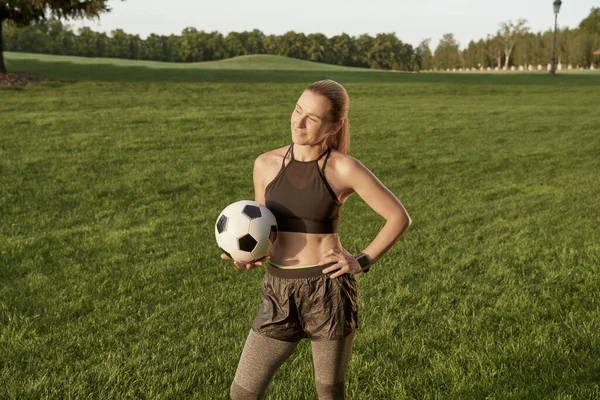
[(340, 103)]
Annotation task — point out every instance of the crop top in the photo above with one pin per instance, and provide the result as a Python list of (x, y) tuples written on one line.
[(301, 199)]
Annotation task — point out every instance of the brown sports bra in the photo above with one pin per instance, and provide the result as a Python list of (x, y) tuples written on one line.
[(301, 199)]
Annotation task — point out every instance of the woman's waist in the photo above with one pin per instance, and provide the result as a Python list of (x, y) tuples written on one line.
[(298, 249), (297, 271)]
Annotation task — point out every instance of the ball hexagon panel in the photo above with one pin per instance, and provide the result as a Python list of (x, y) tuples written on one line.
[(238, 225), (258, 229), (262, 249), (268, 217), (240, 255), (227, 243), (251, 211)]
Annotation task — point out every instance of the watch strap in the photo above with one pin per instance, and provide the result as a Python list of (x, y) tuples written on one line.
[(364, 262)]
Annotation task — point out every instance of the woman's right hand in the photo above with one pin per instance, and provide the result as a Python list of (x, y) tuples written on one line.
[(244, 264)]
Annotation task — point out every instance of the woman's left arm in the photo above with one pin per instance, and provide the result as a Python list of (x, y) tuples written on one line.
[(364, 183)]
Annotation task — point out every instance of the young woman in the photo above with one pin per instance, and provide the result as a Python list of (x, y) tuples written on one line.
[(309, 290)]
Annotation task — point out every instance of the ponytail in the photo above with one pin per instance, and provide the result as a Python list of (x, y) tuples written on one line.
[(340, 141), (340, 102)]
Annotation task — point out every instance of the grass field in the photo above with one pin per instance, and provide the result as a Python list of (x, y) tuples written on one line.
[(259, 62), (112, 176)]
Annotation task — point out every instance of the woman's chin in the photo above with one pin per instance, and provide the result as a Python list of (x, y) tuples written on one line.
[(297, 137)]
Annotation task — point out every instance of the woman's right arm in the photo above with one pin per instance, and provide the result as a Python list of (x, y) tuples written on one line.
[(258, 177), (259, 197)]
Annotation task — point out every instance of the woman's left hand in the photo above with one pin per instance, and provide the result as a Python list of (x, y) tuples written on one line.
[(345, 263)]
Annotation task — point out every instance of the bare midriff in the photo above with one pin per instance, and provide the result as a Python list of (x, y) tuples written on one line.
[(302, 249)]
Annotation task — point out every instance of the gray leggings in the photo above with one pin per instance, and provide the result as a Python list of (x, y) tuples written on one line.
[(262, 356)]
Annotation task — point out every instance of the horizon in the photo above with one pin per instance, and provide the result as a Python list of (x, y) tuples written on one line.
[(538, 13), (468, 22)]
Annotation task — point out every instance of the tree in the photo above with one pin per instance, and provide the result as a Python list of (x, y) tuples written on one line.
[(255, 42), (382, 54), (388, 52), (591, 23), (174, 48), (293, 45), (424, 55), (124, 45), (91, 44), (61, 37), (236, 44), (446, 54), (155, 48), (317, 47), (191, 45), (509, 33), (494, 49), (363, 45), (273, 44), (343, 48), (25, 12), (470, 55), (541, 48)]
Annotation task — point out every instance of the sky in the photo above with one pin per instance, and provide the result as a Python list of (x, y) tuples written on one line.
[(411, 21)]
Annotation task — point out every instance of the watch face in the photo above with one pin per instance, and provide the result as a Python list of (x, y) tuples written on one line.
[(363, 261)]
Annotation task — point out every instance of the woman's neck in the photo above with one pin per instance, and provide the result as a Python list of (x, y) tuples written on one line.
[(309, 152)]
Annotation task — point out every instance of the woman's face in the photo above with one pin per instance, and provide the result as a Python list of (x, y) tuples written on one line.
[(311, 121)]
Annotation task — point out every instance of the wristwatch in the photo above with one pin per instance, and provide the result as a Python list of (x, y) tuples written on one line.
[(364, 262)]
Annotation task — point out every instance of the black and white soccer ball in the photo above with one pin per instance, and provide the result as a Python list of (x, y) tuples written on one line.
[(246, 230)]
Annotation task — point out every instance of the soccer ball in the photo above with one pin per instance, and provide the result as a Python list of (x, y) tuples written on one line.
[(246, 230)]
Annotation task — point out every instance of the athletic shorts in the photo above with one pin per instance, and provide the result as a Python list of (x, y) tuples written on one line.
[(305, 303)]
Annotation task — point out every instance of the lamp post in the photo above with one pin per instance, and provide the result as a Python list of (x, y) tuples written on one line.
[(557, 4)]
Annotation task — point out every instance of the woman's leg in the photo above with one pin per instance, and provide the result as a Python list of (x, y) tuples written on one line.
[(330, 360), (261, 358)]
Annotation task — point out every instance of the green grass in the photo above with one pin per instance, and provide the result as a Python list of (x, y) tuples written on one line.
[(111, 178)]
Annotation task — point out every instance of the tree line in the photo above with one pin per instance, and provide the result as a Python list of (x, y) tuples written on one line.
[(512, 45), (515, 45), (384, 51)]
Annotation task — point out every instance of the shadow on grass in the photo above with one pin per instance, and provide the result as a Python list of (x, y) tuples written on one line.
[(68, 71)]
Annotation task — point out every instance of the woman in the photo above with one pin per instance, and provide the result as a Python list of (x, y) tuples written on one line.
[(310, 290)]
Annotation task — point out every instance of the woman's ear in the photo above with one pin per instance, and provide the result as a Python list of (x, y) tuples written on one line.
[(336, 128)]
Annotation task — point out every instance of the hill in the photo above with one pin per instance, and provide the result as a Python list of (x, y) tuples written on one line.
[(258, 69), (257, 61)]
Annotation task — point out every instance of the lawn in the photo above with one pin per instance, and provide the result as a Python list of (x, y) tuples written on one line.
[(112, 176)]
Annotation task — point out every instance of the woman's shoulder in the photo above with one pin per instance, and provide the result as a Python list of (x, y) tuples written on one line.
[(343, 163), (271, 157)]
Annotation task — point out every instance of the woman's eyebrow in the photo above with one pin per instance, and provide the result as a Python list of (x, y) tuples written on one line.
[(314, 115)]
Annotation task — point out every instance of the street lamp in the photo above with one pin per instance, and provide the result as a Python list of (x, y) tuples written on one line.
[(557, 4)]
